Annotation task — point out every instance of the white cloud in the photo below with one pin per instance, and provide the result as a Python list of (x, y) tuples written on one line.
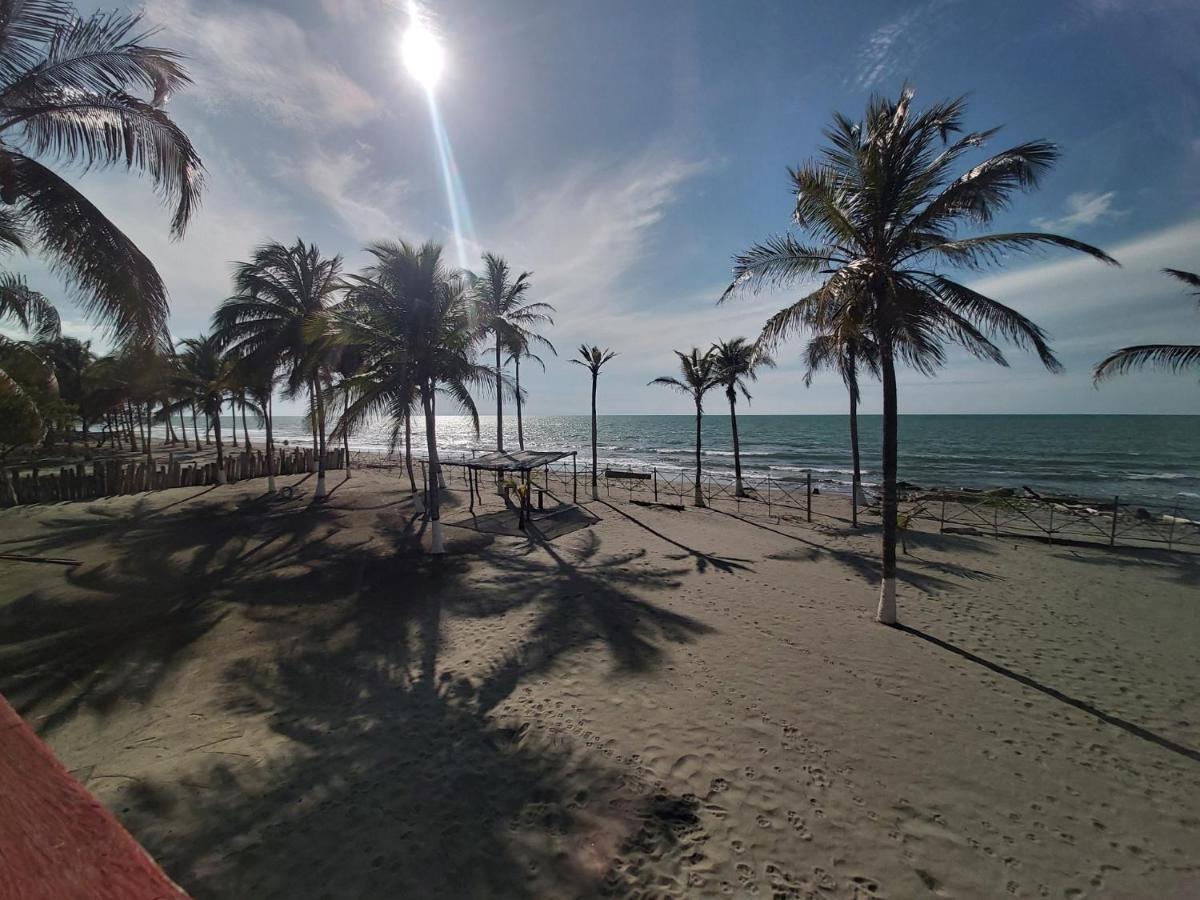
[(368, 206), (1084, 208), (892, 49), (244, 54)]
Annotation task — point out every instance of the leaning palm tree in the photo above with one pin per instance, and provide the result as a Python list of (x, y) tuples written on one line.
[(593, 358), (885, 209), (1172, 357), (517, 351), (208, 375), (699, 376), (846, 349), (738, 362), (499, 307), (410, 320), (89, 92), (280, 293)]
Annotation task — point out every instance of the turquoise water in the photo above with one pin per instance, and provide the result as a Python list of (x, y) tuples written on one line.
[(1149, 459)]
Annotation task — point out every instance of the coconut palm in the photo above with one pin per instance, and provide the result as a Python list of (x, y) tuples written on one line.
[(738, 362), (700, 375), (498, 302), (1172, 357), (410, 319), (280, 293), (517, 351), (884, 208), (207, 374), (90, 91), (846, 349), (593, 358)]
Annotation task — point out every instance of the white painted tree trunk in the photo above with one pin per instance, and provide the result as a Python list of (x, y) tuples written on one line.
[(887, 602), (320, 492), (437, 542)]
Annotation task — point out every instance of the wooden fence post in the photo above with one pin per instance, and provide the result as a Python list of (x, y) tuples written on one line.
[(1112, 535), (808, 482)]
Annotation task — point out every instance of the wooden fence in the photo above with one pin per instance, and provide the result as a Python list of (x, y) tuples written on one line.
[(111, 477)]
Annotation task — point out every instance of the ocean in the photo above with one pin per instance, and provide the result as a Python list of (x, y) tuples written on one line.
[(1143, 459)]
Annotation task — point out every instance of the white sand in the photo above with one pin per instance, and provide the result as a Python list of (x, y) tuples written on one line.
[(282, 702)]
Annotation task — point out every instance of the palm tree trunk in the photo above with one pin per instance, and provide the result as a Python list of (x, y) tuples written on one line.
[(319, 493), (738, 490), (595, 489), (699, 493), (245, 430), (216, 420), (183, 429), (149, 433), (412, 481), (887, 589), (172, 437), (312, 408), (270, 446), (195, 430), (129, 419), (499, 400), (346, 434), (520, 426), (434, 505), (857, 482)]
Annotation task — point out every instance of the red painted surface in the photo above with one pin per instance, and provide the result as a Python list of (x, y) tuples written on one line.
[(56, 841)]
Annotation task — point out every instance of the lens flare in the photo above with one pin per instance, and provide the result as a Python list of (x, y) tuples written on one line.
[(422, 54)]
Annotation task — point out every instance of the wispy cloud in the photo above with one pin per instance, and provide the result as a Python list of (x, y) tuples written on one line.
[(242, 54), (893, 48), (1084, 208), (343, 181)]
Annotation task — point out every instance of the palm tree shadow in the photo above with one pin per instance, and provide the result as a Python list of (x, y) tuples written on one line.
[(703, 561), (1083, 705), (390, 772)]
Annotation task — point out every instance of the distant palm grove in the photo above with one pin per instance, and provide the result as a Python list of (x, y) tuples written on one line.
[(879, 239)]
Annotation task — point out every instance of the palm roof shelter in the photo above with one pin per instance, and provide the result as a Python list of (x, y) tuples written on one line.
[(520, 463)]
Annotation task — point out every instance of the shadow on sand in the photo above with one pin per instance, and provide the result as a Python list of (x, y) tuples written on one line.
[(393, 772)]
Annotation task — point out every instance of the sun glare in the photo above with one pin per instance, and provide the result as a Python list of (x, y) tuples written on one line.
[(422, 53)]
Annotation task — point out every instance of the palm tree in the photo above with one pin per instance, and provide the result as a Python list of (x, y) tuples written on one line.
[(846, 349), (885, 210), (700, 375), (1172, 357), (208, 374), (69, 92), (410, 319), (516, 352), (738, 362), (500, 309), (280, 293), (593, 358)]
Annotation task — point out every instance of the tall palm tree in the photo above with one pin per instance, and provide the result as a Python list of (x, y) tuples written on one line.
[(90, 92), (593, 358), (208, 373), (517, 351), (738, 362), (279, 295), (498, 301), (846, 349), (699, 376), (885, 209), (410, 319), (1172, 357)]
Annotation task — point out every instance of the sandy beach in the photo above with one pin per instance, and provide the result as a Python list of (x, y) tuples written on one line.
[(281, 700)]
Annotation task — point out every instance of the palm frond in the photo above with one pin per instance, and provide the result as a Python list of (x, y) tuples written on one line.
[(1174, 358)]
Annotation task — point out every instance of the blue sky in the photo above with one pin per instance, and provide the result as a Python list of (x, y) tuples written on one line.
[(625, 151)]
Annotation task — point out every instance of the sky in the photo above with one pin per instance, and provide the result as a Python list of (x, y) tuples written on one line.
[(624, 152)]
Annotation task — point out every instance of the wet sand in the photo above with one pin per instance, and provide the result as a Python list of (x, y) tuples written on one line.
[(286, 701)]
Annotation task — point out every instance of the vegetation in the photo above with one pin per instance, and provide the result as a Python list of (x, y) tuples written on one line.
[(1172, 357), (699, 373), (885, 208), (738, 362), (410, 317), (499, 309), (593, 359), (846, 349)]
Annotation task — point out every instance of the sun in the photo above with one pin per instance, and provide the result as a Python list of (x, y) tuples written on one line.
[(422, 54)]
